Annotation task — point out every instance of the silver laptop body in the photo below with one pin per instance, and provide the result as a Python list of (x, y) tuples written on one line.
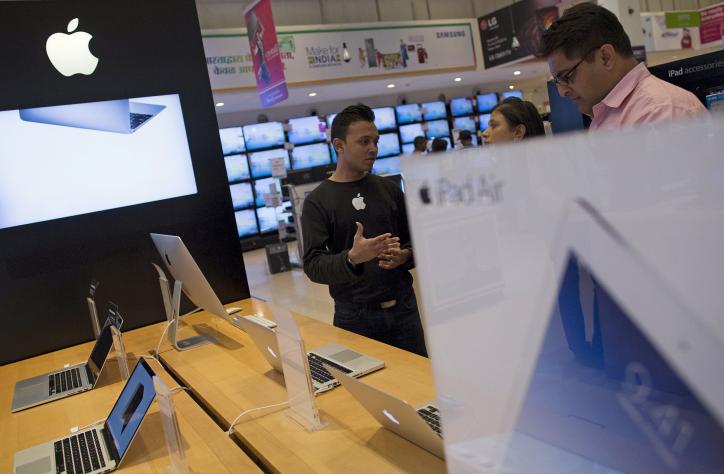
[(99, 447), (67, 381), (345, 359), (420, 425)]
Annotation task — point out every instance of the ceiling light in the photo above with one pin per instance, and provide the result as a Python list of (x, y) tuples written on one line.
[(511, 87), (390, 86), (516, 73), (219, 104), (312, 94), (458, 79)]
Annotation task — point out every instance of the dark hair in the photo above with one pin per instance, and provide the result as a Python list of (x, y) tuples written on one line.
[(521, 112), (439, 144), (420, 143), (351, 114), (583, 28), (465, 135)]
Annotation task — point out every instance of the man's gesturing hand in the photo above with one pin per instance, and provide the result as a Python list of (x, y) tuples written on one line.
[(394, 256), (364, 250)]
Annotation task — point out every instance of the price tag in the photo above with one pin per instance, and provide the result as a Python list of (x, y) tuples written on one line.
[(278, 168)]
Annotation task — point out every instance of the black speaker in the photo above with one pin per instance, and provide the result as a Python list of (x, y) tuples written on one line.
[(277, 256)]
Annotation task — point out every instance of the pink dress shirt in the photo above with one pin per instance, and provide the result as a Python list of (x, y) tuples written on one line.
[(642, 98)]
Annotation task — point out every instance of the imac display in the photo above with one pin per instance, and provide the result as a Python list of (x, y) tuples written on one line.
[(438, 128), (408, 113), (261, 187), (260, 162), (264, 135), (306, 130), (434, 110), (385, 118), (487, 102), (483, 120), (389, 145), (461, 106), (410, 132), (507, 94), (408, 148), (465, 123), (232, 140), (246, 223), (267, 219), (309, 156), (69, 160), (237, 168), (387, 166), (241, 196)]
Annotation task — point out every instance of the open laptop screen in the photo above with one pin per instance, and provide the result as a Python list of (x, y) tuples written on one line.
[(131, 407), (602, 393), (68, 160)]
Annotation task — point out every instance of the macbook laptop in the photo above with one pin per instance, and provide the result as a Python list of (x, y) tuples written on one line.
[(102, 446), (420, 425), (342, 358), (120, 116), (67, 381)]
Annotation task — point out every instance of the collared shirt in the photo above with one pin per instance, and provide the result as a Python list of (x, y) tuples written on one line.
[(642, 98)]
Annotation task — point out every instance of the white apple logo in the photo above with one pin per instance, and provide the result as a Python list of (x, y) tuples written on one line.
[(70, 53), (390, 417), (359, 202)]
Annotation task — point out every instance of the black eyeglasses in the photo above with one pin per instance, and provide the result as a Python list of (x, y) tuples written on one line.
[(565, 79)]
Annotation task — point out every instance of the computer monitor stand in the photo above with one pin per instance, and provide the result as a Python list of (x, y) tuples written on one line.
[(172, 304), (95, 324)]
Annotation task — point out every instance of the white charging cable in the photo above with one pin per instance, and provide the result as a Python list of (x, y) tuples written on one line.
[(230, 431)]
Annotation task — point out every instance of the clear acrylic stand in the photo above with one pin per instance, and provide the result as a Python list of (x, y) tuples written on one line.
[(92, 309), (302, 405), (171, 431), (120, 349), (172, 304)]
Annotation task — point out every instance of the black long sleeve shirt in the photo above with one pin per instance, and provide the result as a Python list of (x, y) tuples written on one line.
[(328, 227)]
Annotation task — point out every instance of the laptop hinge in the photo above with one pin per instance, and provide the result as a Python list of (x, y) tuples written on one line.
[(110, 445)]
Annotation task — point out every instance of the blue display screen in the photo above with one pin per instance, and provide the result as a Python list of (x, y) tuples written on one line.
[(518, 94), (309, 156), (237, 168), (241, 195), (408, 113), (330, 119), (461, 106), (465, 123), (246, 223), (438, 128), (267, 219), (261, 187), (332, 153), (410, 132), (434, 110), (306, 130), (260, 162), (388, 145), (483, 120), (385, 118), (232, 140), (487, 102), (408, 148), (264, 135), (387, 166)]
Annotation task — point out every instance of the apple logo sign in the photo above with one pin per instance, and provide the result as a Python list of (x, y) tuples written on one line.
[(390, 417), (359, 202), (69, 53), (425, 194)]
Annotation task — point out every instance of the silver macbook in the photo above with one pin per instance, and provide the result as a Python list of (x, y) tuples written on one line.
[(420, 426), (102, 446), (344, 359), (69, 380), (120, 116)]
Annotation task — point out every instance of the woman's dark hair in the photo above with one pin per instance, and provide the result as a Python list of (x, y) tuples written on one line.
[(438, 144), (521, 112), (582, 29), (351, 114)]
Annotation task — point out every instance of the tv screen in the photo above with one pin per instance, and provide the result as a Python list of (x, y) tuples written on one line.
[(483, 120), (385, 118), (518, 94), (260, 162), (487, 102), (438, 128), (410, 132), (237, 168), (408, 113), (306, 130), (408, 148), (69, 160), (264, 135), (232, 140), (388, 145), (309, 156), (387, 166), (330, 119), (434, 110), (261, 187), (267, 219), (246, 223), (465, 123), (332, 153), (461, 106), (241, 196)]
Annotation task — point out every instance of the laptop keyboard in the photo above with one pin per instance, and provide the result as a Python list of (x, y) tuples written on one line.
[(431, 415), (138, 119), (64, 381), (319, 373), (79, 453)]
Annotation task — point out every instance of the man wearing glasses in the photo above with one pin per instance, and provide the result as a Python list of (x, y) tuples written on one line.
[(592, 63)]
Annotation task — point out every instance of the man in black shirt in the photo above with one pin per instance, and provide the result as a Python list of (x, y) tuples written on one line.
[(356, 240)]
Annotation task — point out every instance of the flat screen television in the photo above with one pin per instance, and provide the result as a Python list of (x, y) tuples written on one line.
[(434, 110), (438, 128), (246, 223), (483, 120), (330, 119), (408, 133), (487, 102), (260, 162), (332, 153), (389, 145), (465, 123), (408, 113), (306, 130), (387, 166), (461, 106), (507, 94), (309, 156), (237, 168), (408, 148), (385, 118), (241, 196), (261, 187), (267, 219), (232, 140), (264, 135)]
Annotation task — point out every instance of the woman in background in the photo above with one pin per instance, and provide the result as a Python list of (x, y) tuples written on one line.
[(513, 120)]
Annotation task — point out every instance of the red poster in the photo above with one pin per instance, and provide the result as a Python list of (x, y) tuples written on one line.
[(712, 24), (268, 66)]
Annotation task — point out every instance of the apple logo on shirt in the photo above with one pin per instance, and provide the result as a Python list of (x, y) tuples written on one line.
[(359, 202)]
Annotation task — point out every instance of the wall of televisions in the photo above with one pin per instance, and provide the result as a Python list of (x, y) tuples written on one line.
[(303, 143)]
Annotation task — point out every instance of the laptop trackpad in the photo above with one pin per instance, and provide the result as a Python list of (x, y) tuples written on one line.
[(32, 390), (40, 466), (345, 356)]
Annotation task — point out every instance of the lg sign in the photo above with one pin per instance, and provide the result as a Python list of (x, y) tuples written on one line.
[(69, 53)]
